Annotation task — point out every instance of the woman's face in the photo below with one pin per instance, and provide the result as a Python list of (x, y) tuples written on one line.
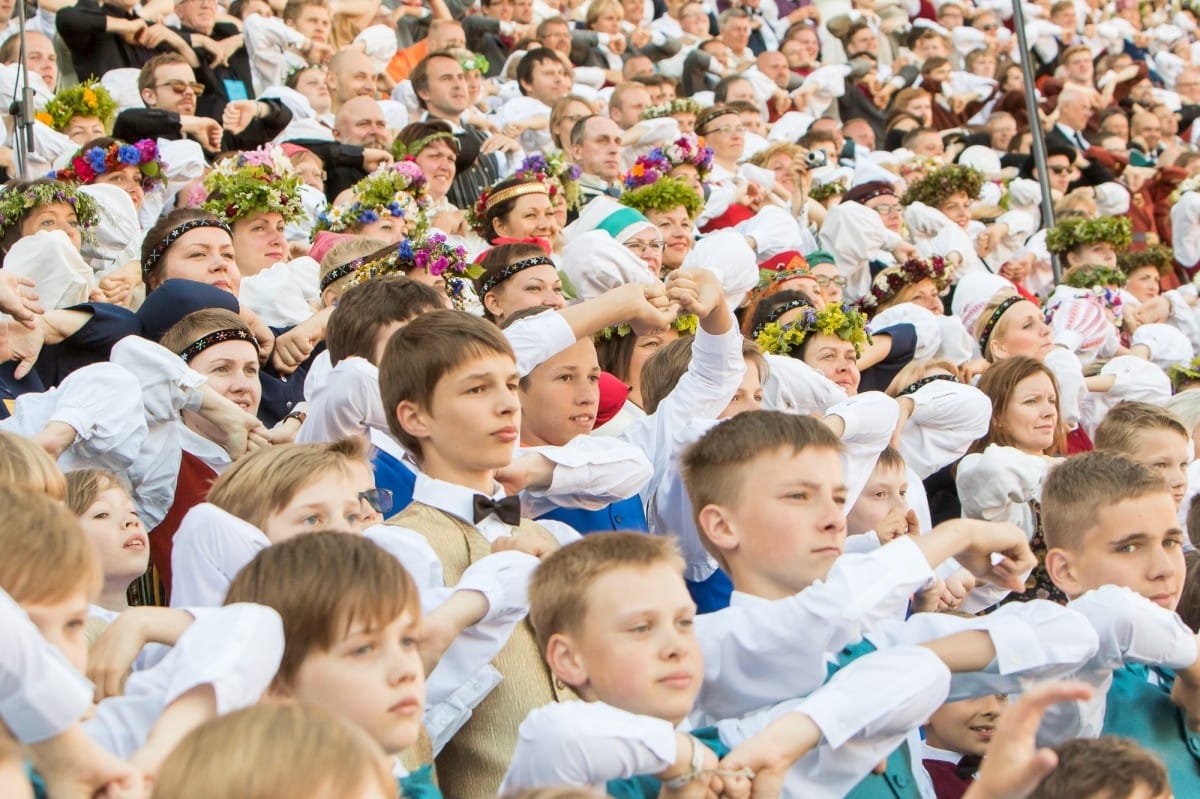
[(923, 293), (686, 120), (831, 282), (888, 207), (689, 175), (922, 108), (1021, 331), (784, 167), (834, 358), (958, 208), (54, 216), (204, 255), (1098, 254), (533, 215), (643, 348), (1143, 283), (648, 244), (437, 161), (82, 130), (112, 524), (675, 227), (529, 288), (727, 137), (232, 369), (392, 229), (474, 84), (574, 112), (609, 22), (311, 172), (128, 179), (1031, 418), (259, 242), (1012, 79)]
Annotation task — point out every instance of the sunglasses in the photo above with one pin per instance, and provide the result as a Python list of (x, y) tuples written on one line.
[(181, 86), (380, 499)]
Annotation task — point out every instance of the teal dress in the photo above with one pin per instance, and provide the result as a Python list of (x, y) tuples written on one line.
[(419, 785), (1138, 709), (647, 787)]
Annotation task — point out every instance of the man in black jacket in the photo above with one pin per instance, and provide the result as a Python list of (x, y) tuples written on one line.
[(224, 64), (110, 36)]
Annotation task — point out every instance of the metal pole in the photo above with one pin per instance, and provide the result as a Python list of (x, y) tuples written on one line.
[(22, 109), (1038, 136)]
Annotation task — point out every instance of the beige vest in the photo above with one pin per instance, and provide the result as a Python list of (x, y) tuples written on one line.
[(476, 759)]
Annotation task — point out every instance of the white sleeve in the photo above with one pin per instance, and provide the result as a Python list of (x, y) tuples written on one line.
[(947, 418), (870, 419), (41, 694), (855, 235), (998, 483), (538, 338), (925, 324), (753, 656), (1068, 371), (1136, 380), (1183, 316), (209, 549), (268, 41), (587, 744), (795, 387), (347, 405), (589, 473)]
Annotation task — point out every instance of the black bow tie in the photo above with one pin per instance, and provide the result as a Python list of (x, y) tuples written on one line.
[(507, 510), (967, 766)]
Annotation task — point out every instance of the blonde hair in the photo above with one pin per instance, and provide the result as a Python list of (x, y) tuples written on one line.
[(985, 315), (918, 370), (1121, 427), (47, 557), (84, 485), (25, 465), (599, 7), (664, 369), (1080, 489), (273, 749), (1186, 407), (558, 591), (265, 481), (346, 251)]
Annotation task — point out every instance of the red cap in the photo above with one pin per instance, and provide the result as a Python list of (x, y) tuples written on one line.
[(784, 262), (613, 394)]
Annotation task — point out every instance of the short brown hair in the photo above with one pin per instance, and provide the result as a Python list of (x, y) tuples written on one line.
[(198, 324), (84, 485), (999, 382), (1122, 425), (265, 481), (273, 749), (47, 556), (419, 76), (558, 591), (25, 465), (372, 305), (320, 583), (1193, 520), (146, 76), (663, 370), (293, 8), (1102, 768), (713, 467), (1078, 490), (424, 351)]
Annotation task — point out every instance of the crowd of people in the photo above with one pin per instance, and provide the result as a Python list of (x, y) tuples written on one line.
[(625, 398)]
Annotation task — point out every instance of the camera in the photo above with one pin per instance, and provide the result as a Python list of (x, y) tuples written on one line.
[(816, 158)]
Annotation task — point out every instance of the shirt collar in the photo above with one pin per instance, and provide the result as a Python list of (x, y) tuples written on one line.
[(456, 500), (944, 755)]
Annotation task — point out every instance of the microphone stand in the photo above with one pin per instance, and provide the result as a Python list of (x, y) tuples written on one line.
[(22, 109)]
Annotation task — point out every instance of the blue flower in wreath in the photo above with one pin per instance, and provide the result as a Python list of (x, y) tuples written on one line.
[(129, 155), (95, 157), (395, 209), (367, 217)]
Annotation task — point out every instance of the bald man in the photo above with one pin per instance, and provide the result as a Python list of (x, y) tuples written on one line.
[(360, 121), (351, 74)]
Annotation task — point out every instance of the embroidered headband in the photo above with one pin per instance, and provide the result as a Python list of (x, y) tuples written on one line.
[(504, 274), (513, 192), (216, 337), (776, 312), (924, 381), (339, 272), (994, 319), (173, 235)]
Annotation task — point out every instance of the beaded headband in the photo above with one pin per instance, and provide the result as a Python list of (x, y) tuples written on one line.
[(995, 318), (512, 192), (173, 235), (216, 337), (339, 272), (510, 270), (776, 312), (924, 381)]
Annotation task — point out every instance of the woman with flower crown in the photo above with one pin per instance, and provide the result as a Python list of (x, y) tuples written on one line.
[(81, 113), (389, 204)]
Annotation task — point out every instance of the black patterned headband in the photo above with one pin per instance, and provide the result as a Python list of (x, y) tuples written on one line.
[(517, 266), (339, 272), (173, 235), (924, 381), (216, 337), (994, 319), (775, 313)]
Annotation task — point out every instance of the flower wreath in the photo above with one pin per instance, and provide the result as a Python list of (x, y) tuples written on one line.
[(664, 194), (684, 325), (890, 282), (16, 203), (396, 189), (941, 183), (659, 162), (1181, 375), (254, 181), (824, 191), (474, 62), (431, 253), (1160, 256), (1078, 231), (534, 183), (680, 105), (407, 152), (88, 99), (556, 173), (1091, 277), (843, 321), (87, 165)]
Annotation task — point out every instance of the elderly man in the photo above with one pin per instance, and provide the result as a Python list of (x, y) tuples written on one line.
[(596, 150), (1074, 112), (362, 144), (351, 74)]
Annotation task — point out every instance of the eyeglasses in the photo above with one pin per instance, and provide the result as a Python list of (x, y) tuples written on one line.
[(733, 129), (893, 208), (824, 282), (380, 499), (990, 26), (181, 86), (643, 247)]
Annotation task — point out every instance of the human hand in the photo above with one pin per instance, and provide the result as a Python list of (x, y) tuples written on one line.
[(905, 251), (453, 223), (651, 309), (128, 29), (238, 115), (769, 754), (75, 767), (55, 437), (972, 369), (117, 286), (502, 143), (262, 333), (956, 588), (293, 347), (1153, 311), (538, 544), (707, 786), (696, 291), (19, 298), (616, 44), (22, 344), (896, 524), (529, 470), (207, 131), (639, 38), (374, 158), (1007, 540)]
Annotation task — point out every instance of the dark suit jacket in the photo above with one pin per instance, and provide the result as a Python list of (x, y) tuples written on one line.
[(1094, 175)]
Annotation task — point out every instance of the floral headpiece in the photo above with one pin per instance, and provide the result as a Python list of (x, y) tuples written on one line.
[(88, 99), (254, 181), (890, 282), (1088, 277), (474, 62), (15, 203), (1160, 256), (556, 173), (680, 105), (402, 151), (659, 162), (431, 253), (214, 338), (1078, 232), (87, 164), (1182, 375), (664, 195), (535, 183), (938, 185), (843, 321), (823, 191), (683, 325), (396, 189)]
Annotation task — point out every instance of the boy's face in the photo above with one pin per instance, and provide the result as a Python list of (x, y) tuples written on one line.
[(1166, 452), (636, 648), (372, 678), (559, 400), (965, 727), (473, 420), (884, 494), (789, 525), (1135, 543), (749, 396), (61, 624), (329, 502)]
